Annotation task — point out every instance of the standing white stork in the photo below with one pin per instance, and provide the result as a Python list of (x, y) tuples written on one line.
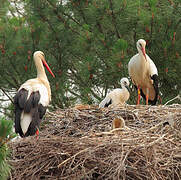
[(117, 96), (32, 99), (144, 74)]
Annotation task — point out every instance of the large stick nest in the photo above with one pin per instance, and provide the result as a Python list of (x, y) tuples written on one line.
[(79, 143)]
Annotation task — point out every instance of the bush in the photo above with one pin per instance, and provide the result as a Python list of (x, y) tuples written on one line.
[(6, 135)]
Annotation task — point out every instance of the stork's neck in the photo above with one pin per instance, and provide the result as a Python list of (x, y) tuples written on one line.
[(123, 87), (125, 92), (142, 57), (140, 53)]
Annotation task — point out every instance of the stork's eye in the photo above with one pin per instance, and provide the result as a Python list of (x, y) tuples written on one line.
[(140, 44)]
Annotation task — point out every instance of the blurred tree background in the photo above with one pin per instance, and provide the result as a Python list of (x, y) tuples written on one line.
[(88, 44)]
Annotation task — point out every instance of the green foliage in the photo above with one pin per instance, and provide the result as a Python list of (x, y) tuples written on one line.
[(121, 44), (5, 136), (88, 44), (5, 130), (4, 166)]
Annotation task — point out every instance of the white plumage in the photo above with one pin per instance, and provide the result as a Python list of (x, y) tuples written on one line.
[(34, 85), (144, 74), (117, 96)]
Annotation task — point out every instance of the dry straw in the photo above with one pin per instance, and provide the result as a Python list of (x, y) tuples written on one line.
[(79, 143)]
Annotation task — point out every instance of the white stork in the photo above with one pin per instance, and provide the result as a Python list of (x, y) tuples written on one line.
[(144, 74), (117, 96), (32, 99)]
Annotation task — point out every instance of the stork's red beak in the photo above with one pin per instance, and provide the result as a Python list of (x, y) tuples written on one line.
[(144, 53), (47, 67)]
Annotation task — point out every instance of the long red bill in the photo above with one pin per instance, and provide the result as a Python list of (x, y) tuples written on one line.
[(48, 68)]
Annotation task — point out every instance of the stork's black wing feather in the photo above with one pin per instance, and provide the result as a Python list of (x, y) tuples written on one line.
[(19, 102), (108, 103), (32, 101)]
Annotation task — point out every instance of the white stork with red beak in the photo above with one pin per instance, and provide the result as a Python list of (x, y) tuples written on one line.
[(32, 99), (144, 74)]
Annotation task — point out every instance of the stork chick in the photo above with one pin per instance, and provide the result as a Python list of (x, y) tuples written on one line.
[(118, 122), (117, 96)]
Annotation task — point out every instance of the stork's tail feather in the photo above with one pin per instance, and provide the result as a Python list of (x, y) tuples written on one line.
[(105, 102)]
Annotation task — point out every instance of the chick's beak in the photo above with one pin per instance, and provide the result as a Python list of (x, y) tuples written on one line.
[(128, 88)]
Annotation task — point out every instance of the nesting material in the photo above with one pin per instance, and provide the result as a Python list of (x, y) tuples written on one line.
[(80, 143)]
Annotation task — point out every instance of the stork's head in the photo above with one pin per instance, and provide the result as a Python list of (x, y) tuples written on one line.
[(125, 83), (141, 43), (39, 57)]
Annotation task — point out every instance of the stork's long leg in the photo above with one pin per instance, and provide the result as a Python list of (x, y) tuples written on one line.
[(139, 96), (147, 92)]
